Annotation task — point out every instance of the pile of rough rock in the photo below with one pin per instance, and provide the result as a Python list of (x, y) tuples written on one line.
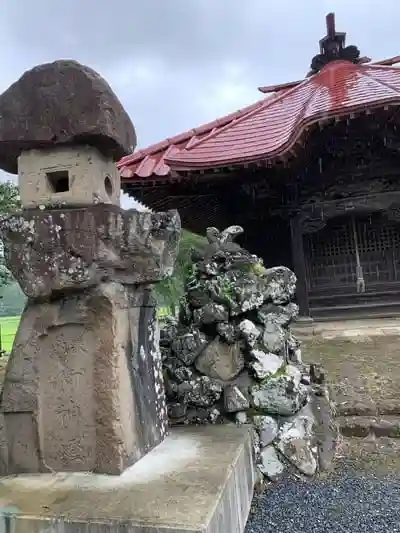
[(231, 357)]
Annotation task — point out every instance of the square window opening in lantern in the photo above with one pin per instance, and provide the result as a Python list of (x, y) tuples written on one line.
[(58, 181)]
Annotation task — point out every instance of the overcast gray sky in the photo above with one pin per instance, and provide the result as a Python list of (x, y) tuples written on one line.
[(176, 64)]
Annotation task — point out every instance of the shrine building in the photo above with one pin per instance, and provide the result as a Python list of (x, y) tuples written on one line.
[(311, 172)]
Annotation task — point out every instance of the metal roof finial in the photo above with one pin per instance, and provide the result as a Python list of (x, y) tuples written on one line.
[(334, 41), (332, 47), (330, 25)]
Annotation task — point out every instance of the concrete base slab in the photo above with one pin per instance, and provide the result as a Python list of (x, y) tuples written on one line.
[(200, 480)]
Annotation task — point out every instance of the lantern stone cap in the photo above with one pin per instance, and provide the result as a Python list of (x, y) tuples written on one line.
[(62, 103)]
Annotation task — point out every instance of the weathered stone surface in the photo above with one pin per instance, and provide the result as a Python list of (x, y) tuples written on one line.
[(294, 371), (208, 267), (294, 350), (274, 337), (245, 311), (220, 360), (267, 428), (280, 314), (168, 331), (295, 441), (235, 400), (326, 430), (249, 331), (280, 284), (201, 391), (197, 296), (248, 292), (62, 103), (50, 252), (227, 332), (260, 482), (265, 363), (3, 447), (203, 415), (177, 410), (184, 312), (210, 313), (221, 249), (256, 443), (84, 389), (188, 344), (281, 395), (67, 176), (317, 374), (241, 418), (177, 370), (270, 464), (370, 426)]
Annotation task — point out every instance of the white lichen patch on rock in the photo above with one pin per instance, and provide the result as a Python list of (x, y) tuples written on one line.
[(295, 442), (266, 363), (87, 317), (267, 428), (231, 356), (48, 251), (249, 331), (270, 465)]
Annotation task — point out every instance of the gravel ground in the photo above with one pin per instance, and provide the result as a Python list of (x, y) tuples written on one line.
[(347, 503)]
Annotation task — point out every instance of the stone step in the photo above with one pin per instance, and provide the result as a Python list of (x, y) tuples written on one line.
[(389, 407), (360, 310), (346, 302), (380, 456), (363, 426), (323, 295), (348, 327)]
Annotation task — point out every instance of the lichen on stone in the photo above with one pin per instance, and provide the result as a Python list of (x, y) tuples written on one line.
[(247, 366)]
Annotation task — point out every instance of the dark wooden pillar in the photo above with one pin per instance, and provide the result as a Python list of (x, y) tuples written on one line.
[(299, 266)]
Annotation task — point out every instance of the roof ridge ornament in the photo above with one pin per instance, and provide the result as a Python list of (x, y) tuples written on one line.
[(332, 47)]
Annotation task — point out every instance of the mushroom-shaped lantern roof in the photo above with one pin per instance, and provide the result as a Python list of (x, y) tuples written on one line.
[(59, 103)]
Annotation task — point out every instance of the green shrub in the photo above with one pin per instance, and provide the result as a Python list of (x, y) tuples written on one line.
[(169, 291)]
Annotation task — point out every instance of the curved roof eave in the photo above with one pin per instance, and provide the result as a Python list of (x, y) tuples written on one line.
[(270, 127), (341, 88)]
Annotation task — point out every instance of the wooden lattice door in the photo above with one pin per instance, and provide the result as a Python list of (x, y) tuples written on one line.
[(331, 254)]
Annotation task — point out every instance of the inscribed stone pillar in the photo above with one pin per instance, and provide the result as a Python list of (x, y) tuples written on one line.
[(83, 389)]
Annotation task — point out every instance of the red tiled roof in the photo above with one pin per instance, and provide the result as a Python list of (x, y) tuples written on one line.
[(270, 127), (151, 161)]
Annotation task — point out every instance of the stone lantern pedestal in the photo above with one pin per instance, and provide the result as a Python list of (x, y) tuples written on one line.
[(84, 387), (83, 390), (83, 406)]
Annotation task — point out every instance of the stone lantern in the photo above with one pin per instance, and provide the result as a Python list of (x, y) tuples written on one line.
[(83, 389), (67, 175)]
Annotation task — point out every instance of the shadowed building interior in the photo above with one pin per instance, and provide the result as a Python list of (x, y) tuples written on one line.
[(311, 172)]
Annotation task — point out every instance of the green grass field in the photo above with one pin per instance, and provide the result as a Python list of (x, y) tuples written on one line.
[(8, 329)]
